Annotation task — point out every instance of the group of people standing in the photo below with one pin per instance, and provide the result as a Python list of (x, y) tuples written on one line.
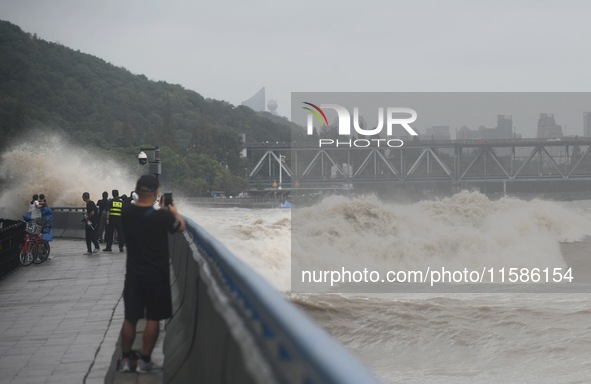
[(37, 203), (40, 213), (104, 217)]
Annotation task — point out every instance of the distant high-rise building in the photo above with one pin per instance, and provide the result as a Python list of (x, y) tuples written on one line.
[(587, 124), (257, 101), (503, 130), (547, 127), (505, 126), (438, 132)]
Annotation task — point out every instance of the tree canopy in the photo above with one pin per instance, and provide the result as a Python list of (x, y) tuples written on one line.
[(47, 85)]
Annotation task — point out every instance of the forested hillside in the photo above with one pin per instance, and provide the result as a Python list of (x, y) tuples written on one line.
[(46, 85)]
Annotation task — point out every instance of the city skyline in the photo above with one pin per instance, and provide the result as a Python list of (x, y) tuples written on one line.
[(478, 111)]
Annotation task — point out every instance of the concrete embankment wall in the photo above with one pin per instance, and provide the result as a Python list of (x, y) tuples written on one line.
[(230, 326), (67, 222)]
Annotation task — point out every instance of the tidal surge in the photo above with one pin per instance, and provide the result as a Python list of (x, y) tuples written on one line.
[(441, 337), (52, 165)]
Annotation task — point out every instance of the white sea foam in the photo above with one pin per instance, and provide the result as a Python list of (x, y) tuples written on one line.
[(466, 230), (261, 238), (50, 164), (459, 338)]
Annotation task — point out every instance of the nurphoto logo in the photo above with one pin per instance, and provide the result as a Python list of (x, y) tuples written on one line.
[(393, 116)]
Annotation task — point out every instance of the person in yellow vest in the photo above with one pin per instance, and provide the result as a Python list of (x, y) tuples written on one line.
[(113, 221)]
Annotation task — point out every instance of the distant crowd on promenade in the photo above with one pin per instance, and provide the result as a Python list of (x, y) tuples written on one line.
[(103, 221)]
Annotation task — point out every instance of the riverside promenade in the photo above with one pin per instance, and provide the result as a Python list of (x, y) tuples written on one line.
[(60, 320)]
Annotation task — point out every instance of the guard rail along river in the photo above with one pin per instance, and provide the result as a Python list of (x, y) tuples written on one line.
[(231, 326)]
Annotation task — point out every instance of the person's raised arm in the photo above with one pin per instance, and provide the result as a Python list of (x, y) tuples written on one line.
[(178, 217)]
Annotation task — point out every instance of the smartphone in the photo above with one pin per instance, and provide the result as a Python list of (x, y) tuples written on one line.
[(167, 199)]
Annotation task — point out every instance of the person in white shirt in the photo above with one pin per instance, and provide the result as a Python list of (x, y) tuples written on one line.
[(35, 208)]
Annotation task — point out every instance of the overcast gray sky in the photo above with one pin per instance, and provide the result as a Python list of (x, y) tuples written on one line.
[(229, 49)]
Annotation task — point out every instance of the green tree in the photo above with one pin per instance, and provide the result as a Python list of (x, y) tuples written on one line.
[(96, 103)]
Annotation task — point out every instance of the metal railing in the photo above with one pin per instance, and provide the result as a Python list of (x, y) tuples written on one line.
[(12, 233), (246, 202), (229, 325)]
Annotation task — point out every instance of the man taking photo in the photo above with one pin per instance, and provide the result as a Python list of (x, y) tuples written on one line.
[(146, 291)]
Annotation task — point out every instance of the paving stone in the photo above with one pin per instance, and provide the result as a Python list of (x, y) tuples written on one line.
[(60, 320)]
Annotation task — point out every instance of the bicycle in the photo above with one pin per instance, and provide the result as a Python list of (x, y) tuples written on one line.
[(34, 249)]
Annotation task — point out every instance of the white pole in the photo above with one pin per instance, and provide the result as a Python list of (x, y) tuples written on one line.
[(280, 170)]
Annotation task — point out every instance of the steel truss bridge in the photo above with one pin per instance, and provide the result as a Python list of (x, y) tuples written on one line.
[(455, 162)]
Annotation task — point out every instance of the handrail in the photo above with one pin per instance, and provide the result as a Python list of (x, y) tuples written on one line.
[(296, 349), (68, 209), (12, 233)]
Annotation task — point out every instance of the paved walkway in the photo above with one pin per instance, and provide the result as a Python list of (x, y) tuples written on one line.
[(60, 320)]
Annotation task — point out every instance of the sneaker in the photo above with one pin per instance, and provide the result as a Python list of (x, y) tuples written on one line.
[(97, 250), (143, 367), (107, 250), (88, 254), (125, 365)]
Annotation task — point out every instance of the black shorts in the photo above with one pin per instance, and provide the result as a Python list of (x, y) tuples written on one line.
[(144, 299)]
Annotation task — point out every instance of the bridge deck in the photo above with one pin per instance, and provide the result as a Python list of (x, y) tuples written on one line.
[(451, 162)]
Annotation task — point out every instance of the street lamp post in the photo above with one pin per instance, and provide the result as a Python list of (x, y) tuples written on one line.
[(154, 168)]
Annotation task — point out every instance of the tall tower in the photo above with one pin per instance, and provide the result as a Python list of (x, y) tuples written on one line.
[(257, 101), (547, 127), (272, 106)]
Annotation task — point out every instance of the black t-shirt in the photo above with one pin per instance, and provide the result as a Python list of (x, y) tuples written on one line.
[(102, 205), (146, 236), (91, 206)]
